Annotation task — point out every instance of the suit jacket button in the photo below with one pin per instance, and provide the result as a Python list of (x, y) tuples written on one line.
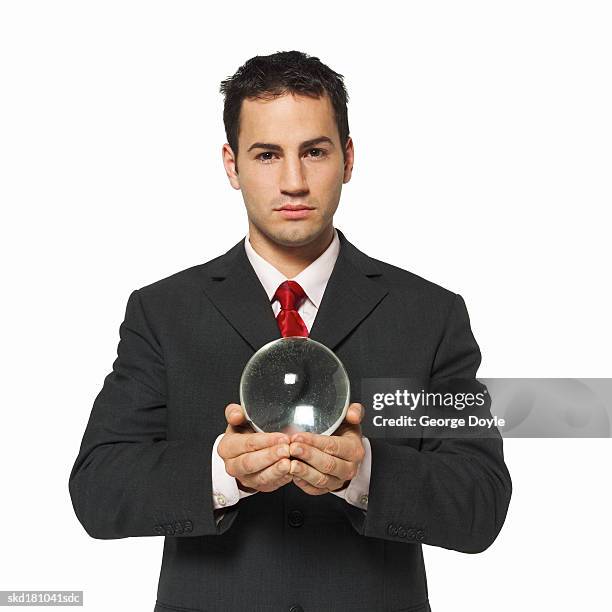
[(169, 529), (188, 526), (159, 529), (401, 532), (420, 535), (296, 519), (296, 609)]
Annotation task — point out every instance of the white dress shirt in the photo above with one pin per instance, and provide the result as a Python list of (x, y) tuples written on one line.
[(313, 279)]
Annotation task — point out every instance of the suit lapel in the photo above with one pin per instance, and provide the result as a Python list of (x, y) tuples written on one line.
[(350, 296), (233, 287), (235, 290)]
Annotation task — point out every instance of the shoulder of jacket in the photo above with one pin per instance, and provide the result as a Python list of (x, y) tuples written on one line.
[(181, 281), (404, 280)]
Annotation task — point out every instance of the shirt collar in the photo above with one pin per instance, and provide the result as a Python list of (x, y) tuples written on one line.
[(313, 279)]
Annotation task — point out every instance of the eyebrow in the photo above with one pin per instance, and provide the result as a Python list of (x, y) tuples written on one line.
[(303, 145)]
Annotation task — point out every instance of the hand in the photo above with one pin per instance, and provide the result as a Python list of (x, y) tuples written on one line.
[(328, 463), (258, 461)]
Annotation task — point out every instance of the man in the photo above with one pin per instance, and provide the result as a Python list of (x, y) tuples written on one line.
[(256, 521)]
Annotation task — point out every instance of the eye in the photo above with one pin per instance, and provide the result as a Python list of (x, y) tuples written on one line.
[(265, 160), (316, 152)]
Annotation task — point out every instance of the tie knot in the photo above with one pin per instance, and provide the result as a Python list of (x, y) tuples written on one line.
[(290, 295)]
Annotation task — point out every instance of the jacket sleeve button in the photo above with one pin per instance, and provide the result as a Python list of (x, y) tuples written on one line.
[(391, 529)]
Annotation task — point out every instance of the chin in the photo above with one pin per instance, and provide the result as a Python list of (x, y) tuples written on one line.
[(294, 235)]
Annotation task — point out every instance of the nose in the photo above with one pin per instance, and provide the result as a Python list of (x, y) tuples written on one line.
[(292, 180)]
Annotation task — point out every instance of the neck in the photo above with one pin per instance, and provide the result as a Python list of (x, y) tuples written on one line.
[(290, 260)]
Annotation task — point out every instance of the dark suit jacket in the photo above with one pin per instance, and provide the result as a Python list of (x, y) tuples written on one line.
[(144, 466)]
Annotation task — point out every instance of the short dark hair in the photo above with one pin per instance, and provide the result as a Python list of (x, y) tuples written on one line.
[(269, 76)]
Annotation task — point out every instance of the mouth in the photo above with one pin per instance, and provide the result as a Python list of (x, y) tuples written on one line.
[(294, 211)]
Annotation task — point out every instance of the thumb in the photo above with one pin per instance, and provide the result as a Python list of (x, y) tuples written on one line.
[(355, 413), (234, 415)]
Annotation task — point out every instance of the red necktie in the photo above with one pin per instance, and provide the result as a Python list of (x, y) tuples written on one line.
[(290, 295)]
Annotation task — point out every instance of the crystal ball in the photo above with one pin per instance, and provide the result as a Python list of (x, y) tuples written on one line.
[(294, 384)]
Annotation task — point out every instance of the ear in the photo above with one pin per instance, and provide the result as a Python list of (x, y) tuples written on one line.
[(349, 159), (229, 162)]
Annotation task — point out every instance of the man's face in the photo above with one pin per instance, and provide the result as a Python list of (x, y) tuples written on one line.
[(289, 155)]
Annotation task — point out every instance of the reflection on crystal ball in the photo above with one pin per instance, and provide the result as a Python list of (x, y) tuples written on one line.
[(294, 384)]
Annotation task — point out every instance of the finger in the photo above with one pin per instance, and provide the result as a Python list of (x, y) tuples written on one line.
[(277, 484), (307, 488), (354, 414), (232, 445), (271, 477), (255, 461), (347, 446), (234, 415), (346, 430), (314, 477), (324, 462), (241, 429)]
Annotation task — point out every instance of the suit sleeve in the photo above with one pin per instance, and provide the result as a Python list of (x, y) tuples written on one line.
[(128, 479), (451, 492)]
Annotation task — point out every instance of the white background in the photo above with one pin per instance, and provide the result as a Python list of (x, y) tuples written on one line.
[(482, 133)]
